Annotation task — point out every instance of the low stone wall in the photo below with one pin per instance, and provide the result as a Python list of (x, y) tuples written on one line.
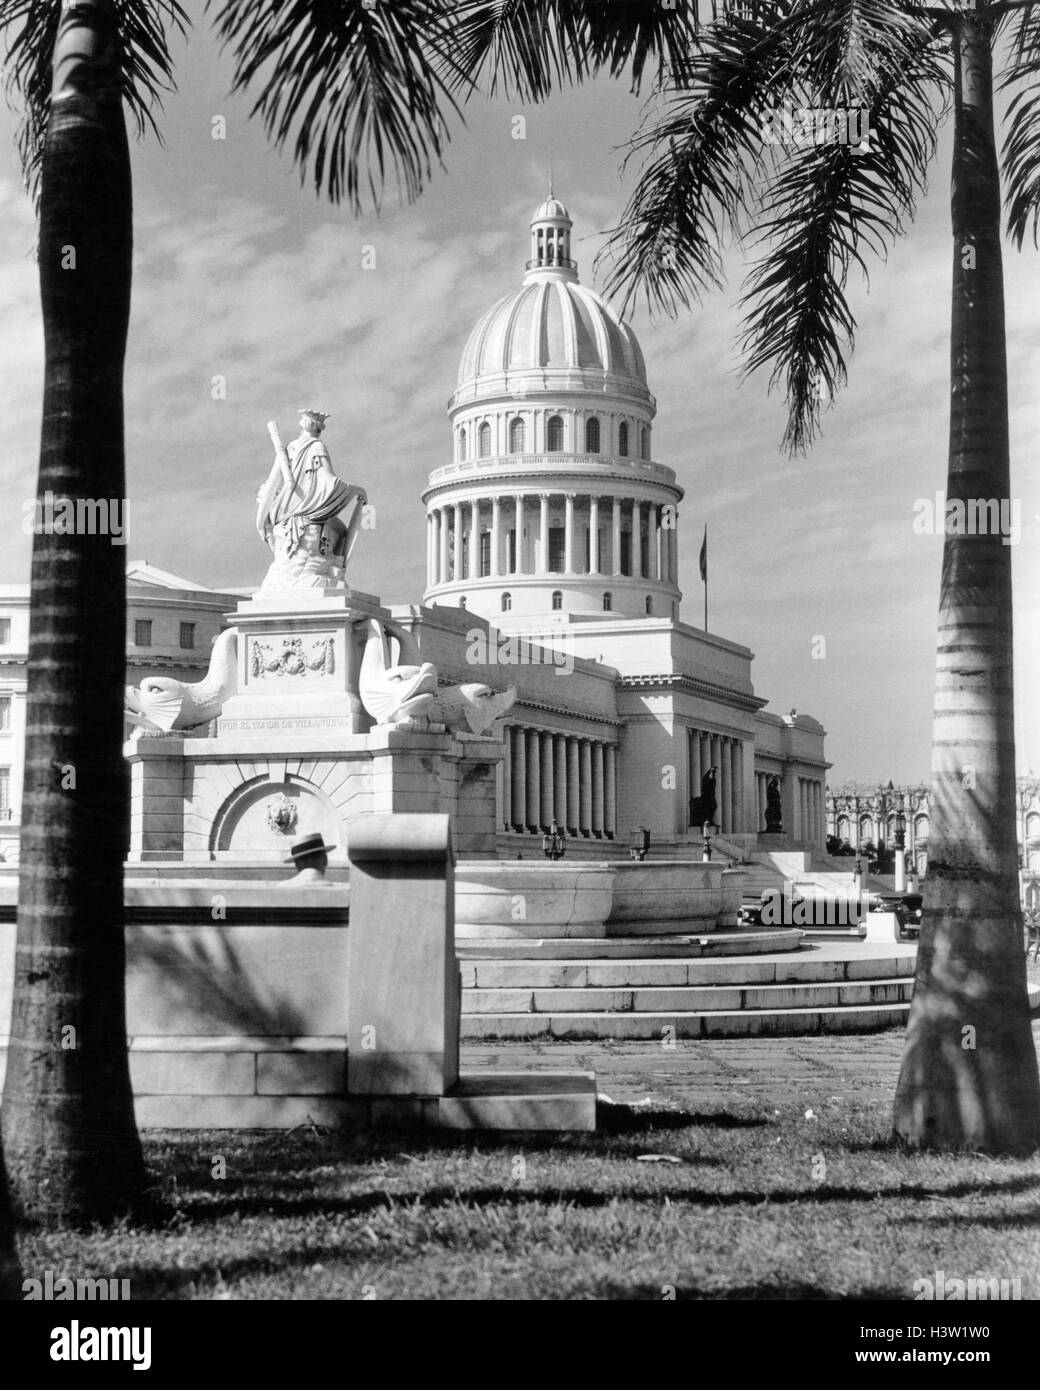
[(236, 1004)]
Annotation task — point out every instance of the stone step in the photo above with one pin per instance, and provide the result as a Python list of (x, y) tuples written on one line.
[(694, 999), (797, 968), (738, 942), (661, 1027)]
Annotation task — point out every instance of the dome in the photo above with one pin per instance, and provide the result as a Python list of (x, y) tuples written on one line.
[(552, 207), (552, 324)]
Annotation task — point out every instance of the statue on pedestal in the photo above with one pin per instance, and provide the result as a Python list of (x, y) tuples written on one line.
[(298, 512)]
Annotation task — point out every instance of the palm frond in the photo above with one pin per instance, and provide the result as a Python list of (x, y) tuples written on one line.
[(703, 144), (828, 208), (525, 49), (144, 28), (358, 88), (1020, 156)]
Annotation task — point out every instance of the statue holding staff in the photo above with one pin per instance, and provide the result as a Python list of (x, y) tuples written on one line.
[(298, 511)]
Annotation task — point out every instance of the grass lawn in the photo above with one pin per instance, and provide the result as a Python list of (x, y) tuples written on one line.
[(749, 1210), (759, 1201)]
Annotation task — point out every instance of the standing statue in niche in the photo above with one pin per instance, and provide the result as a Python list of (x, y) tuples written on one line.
[(774, 812), (298, 512)]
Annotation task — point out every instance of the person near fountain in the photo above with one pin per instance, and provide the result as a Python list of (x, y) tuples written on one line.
[(310, 856)]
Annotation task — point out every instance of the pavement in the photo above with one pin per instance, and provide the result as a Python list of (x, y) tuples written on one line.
[(695, 1074)]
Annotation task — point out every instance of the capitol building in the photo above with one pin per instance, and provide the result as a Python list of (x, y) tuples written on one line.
[(552, 564)]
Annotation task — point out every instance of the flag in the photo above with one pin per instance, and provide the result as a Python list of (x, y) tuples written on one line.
[(704, 556)]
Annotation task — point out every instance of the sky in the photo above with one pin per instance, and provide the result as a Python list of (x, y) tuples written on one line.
[(242, 274)]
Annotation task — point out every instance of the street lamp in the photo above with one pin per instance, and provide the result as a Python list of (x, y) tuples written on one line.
[(900, 883), (553, 842), (706, 830), (640, 843)]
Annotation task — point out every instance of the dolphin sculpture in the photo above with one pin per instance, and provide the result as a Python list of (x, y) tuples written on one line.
[(393, 693), (472, 707), (161, 703)]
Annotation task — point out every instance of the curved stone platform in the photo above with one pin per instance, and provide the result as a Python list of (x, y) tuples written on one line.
[(535, 900)]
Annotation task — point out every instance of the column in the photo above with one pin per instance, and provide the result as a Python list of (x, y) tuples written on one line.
[(507, 777), (573, 787), (738, 813), (616, 536), (429, 548), (457, 572), (496, 535), (518, 567), (585, 786), (547, 779), (637, 539), (594, 535), (568, 534), (693, 759), (659, 548), (534, 779), (720, 777), (728, 800), (519, 778), (610, 790), (543, 533), (474, 540), (597, 790), (673, 555), (560, 780), (442, 512)]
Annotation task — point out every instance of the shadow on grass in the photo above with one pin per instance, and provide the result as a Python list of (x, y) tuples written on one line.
[(439, 1197), (614, 1118)]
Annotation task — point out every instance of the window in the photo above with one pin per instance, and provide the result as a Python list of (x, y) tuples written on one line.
[(608, 603), (626, 552), (592, 436), (644, 443), (554, 434), (557, 600), (142, 632), (507, 602), (5, 714), (516, 436), (648, 604), (557, 549), (462, 446), (485, 554), (187, 636), (485, 440), (5, 632), (622, 439), (5, 793), (511, 565)]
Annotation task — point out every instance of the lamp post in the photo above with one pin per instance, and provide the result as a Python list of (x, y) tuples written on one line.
[(706, 830), (553, 842), (900, 883)]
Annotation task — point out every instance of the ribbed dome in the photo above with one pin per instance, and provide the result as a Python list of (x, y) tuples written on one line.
[(552, 323), (555, 323)]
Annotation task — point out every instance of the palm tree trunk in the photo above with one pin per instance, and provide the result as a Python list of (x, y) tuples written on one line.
[(10, 1274), (71, 1144), (969, 1072)]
